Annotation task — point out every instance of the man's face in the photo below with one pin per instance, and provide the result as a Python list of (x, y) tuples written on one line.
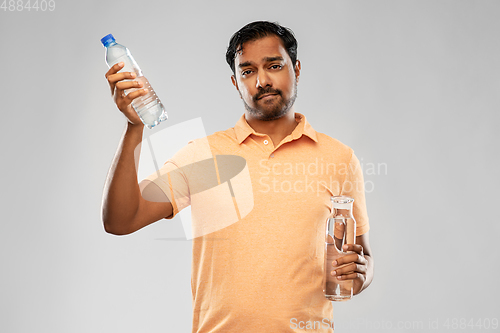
[(266, 78)]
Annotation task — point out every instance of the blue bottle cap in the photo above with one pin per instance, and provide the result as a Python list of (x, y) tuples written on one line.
[(108, 39)]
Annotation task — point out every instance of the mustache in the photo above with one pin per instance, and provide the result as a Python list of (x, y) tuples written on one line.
[(266, 91)]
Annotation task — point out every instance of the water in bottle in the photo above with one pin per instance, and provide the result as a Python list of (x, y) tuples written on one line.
[(340, 230), (148, 107)]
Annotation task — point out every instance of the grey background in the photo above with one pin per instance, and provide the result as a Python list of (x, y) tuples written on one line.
[(413, 85)]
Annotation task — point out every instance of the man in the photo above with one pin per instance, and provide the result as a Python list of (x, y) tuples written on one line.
[(264, 272)]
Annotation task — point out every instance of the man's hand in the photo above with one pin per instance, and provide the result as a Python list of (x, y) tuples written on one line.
[(356, 266), (119, 82)]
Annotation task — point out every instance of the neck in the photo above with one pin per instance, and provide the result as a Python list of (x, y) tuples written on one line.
[(276, 129)]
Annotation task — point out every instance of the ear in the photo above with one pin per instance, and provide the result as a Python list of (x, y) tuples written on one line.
[(235, 83), (297, 70), (233, 80)]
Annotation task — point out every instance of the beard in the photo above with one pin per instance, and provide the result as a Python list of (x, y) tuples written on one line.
[(276, 108)]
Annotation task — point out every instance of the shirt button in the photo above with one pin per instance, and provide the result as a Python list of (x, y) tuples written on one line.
[(266, 142), (272, 155)]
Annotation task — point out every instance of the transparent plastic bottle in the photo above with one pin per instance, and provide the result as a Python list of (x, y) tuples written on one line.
[(340, 230), (148, 107)]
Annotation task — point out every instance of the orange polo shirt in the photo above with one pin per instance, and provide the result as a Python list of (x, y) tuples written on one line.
[(261, 269)]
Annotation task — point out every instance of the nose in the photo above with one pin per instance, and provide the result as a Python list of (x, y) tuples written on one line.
[(263, 80)]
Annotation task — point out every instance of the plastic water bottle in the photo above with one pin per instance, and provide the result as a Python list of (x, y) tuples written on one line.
[(148, 107)]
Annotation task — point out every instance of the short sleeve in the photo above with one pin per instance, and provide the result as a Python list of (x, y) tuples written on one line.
[(171, 180), (354, 187)]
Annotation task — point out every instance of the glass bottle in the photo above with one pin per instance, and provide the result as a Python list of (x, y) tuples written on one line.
[(340, 230)]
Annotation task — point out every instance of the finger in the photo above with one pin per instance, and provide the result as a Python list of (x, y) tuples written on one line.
[(113, 78), (339, 230), (352, 276), (114, 69), (122, 85), (353, 247), (349, 269), (350, 258), (346, 269), (133, 95), (338, 233)]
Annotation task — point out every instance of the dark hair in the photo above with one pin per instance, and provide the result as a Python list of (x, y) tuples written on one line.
[(257, 30)]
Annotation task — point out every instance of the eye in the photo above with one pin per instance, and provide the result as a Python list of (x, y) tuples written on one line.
[(276, 66), (247, 72)]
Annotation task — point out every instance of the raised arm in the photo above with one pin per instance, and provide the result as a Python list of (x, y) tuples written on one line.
[(124, 208)]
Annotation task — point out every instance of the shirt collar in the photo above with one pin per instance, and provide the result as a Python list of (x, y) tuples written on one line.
[(243, 129)]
